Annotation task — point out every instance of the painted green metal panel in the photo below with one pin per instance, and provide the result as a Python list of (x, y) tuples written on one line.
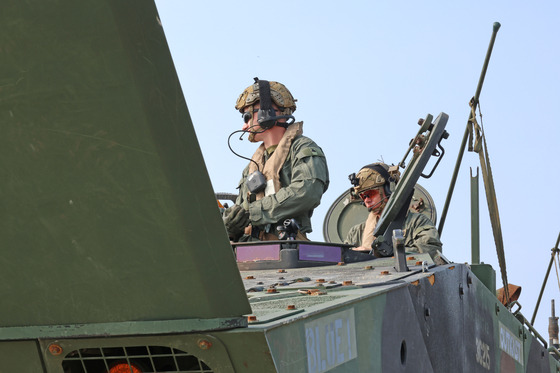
[(486, 274), (20, 356), (108, 212), (248, 350), (345, 339)]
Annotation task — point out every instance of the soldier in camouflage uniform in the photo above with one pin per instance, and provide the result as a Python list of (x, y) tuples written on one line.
[(373, 186), (293, 167)]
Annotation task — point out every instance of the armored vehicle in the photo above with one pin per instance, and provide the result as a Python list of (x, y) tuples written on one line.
[(115, 258)]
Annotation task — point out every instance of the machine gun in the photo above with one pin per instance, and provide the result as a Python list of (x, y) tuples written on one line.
[(423, 146)]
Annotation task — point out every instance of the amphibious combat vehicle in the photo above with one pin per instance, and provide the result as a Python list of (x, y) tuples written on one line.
[(115, 258)]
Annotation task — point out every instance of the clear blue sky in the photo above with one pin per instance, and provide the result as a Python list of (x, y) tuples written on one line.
[(364, 72)]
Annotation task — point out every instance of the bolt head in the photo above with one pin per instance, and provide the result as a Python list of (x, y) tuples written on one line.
[(55, 349), (204, 344)]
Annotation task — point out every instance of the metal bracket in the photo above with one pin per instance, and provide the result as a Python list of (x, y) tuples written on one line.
[(398, 249), (400, 198)]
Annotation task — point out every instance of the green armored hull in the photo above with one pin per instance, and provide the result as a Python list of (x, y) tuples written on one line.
[(115, 258), (358, 317)]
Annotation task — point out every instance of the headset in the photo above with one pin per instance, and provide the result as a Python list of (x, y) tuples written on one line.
[(256, 181), (267, 114)]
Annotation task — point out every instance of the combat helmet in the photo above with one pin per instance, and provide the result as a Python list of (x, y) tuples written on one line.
[(279, 94), (375, 175)]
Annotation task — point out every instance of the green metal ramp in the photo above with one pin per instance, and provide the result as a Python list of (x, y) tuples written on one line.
[(108, 214)]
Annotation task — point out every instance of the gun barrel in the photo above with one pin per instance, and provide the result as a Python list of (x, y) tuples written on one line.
[(495, 29)]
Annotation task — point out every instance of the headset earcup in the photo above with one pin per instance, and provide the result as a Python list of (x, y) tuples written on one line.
[(265, 121), (387, 188)]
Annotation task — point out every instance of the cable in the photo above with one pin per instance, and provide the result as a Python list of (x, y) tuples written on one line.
[(241, 138)]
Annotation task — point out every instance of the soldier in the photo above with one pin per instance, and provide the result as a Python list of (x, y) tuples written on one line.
[(288, 173), (373, 186)]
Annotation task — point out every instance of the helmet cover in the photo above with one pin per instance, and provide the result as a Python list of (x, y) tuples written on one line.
[(368, 178), (279, 94)]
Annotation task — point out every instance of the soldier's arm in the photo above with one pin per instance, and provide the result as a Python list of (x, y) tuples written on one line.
[(242, 189), (422, 235), (354, 235)]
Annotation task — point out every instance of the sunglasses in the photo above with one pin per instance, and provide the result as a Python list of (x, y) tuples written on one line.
[(369, 194), (248, 115)]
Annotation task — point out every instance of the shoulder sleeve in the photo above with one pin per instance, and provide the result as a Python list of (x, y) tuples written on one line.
[(309, 161), (310, 152)]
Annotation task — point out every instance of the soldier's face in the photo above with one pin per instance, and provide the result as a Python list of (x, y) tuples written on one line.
[(372, 197), (250, 123)]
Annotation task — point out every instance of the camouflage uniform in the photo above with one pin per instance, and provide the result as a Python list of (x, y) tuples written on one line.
[(419, 233), (295, 170), (304, 178)]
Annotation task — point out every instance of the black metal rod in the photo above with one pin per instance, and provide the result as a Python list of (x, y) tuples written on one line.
[(495, 29), (554, 251), (532, 329)]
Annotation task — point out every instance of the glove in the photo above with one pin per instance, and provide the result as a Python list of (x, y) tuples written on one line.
[(381, 248), (236, 218)]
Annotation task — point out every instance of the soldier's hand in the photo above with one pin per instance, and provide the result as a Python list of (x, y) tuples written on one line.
[(236, 218), (362, 249), (381, 247)]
